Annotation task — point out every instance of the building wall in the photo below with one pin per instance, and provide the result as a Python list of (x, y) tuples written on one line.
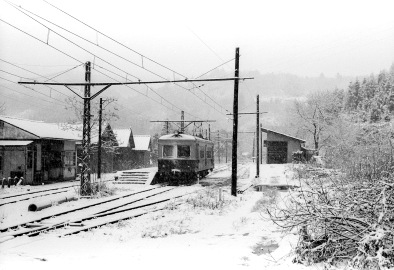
[(69, 160), (13, 162), (292, 145), (8, 131)]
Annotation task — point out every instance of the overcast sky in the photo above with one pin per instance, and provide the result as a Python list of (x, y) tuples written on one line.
[(299, 37)]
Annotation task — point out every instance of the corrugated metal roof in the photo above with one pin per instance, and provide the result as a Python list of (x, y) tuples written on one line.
[(14, 143), (142, 142), (42, 129), (272, 131)]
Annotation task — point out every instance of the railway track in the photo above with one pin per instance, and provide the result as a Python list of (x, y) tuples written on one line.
[(15, 198), (104, 211), (96, 214)]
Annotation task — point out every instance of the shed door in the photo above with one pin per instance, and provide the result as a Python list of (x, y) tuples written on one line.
[(276, 152)]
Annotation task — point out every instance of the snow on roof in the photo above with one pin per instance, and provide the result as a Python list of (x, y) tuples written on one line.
[(272, 131), (42, 129), (142, 142), (123, 136), (14, 143)]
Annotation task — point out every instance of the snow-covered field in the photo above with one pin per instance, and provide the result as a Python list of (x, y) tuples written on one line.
[(233, 235)]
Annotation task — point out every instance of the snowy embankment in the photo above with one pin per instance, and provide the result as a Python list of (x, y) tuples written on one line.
[(202, 233)]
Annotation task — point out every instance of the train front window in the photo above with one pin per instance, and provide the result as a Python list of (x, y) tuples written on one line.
[(183, 151), (168, 151)]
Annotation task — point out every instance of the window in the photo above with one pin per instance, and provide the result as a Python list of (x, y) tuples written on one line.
[(183, 151), (209, 153), (168, 151), (202, 152), (69, 158)]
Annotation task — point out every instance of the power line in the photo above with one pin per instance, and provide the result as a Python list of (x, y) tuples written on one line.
[(81, 61), (9, 73), (12, 64), (30, 104), (13, 90), (215, 68), (206, 45), (143, 56), (33, 90), (162, 98), (62, 73)]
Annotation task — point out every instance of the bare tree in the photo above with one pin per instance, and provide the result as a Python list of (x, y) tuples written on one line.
[(317, 115), (109, 114)]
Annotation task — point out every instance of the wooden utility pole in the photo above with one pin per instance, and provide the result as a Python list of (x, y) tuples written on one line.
[(85, 173), (235, 128), (261, 144), (85, 159), (253, 147), (257, 139), (226, 147), (218, 146), (99, 140)]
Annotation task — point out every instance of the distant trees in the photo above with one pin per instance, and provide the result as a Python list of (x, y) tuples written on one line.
[(373, 99)]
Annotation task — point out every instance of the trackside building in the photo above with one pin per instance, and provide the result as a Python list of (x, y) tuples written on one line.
[(280, 147), (37, 151)]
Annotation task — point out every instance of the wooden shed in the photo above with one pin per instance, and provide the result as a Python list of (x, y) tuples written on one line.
[(37, 151), (280, 147)]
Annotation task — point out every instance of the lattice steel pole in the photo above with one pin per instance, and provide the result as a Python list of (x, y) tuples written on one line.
[(85, 174), (183, 122)]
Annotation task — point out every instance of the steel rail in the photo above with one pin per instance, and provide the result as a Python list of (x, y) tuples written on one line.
[(59, 213)]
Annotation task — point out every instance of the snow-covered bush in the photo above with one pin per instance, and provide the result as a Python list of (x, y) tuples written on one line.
[(340, 218)]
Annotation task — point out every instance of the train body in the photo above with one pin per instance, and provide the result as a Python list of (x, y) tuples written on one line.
[(183, 158)]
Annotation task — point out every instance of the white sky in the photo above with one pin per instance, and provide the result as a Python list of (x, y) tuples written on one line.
[(299, 37)]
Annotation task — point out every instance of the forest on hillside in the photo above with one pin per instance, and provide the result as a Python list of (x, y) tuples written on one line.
[(344, 213), (136, 110)]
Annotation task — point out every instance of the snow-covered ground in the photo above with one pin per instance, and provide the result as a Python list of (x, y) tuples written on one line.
[(235, 236)]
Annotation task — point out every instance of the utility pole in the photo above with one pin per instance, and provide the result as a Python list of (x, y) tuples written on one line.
[(183, 121), (257, 139), (85, 173), (218, 146), (209, 131), (253, 147), (226, 147), (99, 140), (261, 144), (235, 127), (85, 159)]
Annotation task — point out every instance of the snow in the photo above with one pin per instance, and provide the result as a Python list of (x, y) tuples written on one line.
[(187, 237)]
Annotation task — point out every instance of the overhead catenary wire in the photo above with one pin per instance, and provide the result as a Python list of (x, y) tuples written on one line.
[(32, 72), (70, 56), (62, 73), (28, 103), (22, 93), (61, 102), (143, 56), (162, 98)]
